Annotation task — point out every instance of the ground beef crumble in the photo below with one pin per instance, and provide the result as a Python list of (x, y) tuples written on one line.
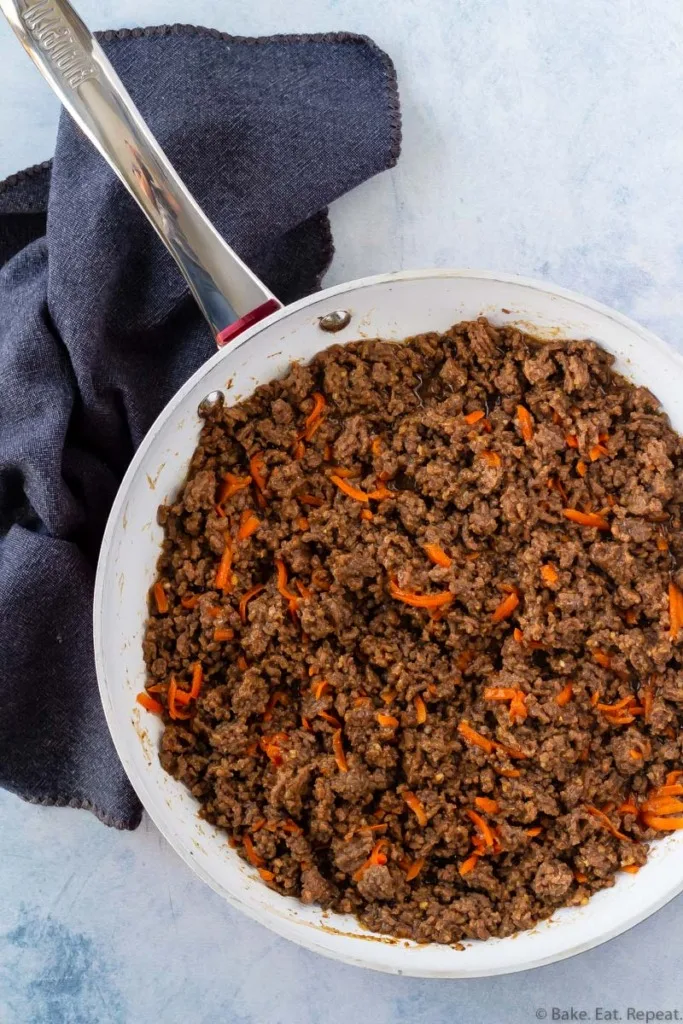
[(327, 738)]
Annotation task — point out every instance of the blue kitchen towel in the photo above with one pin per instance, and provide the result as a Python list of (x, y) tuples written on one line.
[(97, 332)]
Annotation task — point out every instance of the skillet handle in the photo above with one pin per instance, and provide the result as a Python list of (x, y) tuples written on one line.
[(230, 296)]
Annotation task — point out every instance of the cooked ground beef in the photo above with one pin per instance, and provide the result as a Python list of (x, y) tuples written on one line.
[(446, 700)]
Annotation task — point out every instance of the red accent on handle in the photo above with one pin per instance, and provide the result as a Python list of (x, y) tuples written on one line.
[(248, 320)]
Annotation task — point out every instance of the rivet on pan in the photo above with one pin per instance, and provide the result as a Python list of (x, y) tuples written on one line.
[(335, 321), (210, 401)]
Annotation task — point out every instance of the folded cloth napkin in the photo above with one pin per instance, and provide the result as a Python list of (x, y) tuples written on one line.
[(97, 332)]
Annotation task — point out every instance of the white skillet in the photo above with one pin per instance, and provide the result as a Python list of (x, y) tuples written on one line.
[(391, 306)]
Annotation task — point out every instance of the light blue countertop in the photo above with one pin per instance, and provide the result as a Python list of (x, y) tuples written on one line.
[(540, 137)]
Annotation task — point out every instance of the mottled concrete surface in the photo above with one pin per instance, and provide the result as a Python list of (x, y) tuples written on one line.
[(540, 137)]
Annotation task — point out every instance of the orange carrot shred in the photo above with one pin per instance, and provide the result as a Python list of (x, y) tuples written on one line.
[(526, 423), (415, 869), (580, 877), (549, 575), (474, 417), (420, 709), (315, 417), (214, 611), (565, 695), (499, 693), (517, 635), (149, 703), (628, 807), (366, 515), (416, 807), (299, 450), (387, 721), (252, 856), (330, 719), (581, 467), (483, 826), (605, 821), (492, 459), (338, 748), (377, 857), (266, 875), (596, 451), (242, 663), (632, 869), (388, 696), (302, 523), (224, 572), (662, 824), (437, 555), (420, 600), (572, 441), (246, 598), (474, 738), (303, 590), (484, 803), (256, 467), (249, 524), (289, 595), (306, 724), (160, 598), (533, 832), (173, 710), (230, 486), (675, 611), (320, 688), (468, 865), (190, 600), (312, 500), (602, 658), (277, 697), (591, 519), (662, 543), (197, 680), (376, 446), (362, 702), (506, 607), (508, 773)]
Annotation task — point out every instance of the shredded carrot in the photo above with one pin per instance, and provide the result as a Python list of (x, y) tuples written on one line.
[(376, 446), (628, 807), (223, 633), (315, 417), (506, 607), (518, 635), (197, 680), (533, 832), (549, 575), (377, 857), (320, 688), (580, 877), (420, 710), (416, 807), (565, 695), (604, 820), (500, 693), (270, 745), (230, 486), (484, 803), (330, 719), (602, 658), (591, 519), (302, 523), (256, 467), (518, 708), (388, 696), (266, 875), (492, 459), (662, 824), (379, 494), (673, 777), (190, 600), (242, 663), (632, 869), (338, 748), (572, 441), (214, 611), (160, 598), (303, 590), (312, 500), (362, 702), (475, 739), (157, 688), (581, 467), (277, 697), (173, 693), (635, 755), (387, 721), (290, 596), (662, 543), (508, 773), (299, 450), (596, 451), (526, 423), (306, 724), (484, 828), (468, 865), (439, 600), (675, 611), (224, 580), (437, 555), (366, 515), (246, 598), (343, 471), (415, 869), (149, 703), (631, 617), (474, 417), (486, 426), (249, 524), (252, 856)]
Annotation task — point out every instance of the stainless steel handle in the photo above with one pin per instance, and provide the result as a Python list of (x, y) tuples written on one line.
[(74, 64)]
